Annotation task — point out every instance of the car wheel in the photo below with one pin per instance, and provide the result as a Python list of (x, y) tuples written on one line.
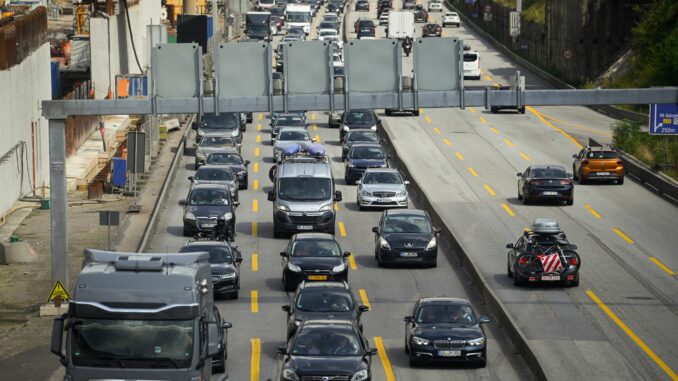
[(520, 197), (415, 113), (414, 361), (388, 112), (287, 285), (434, 264), (508, 269), (360, 206), (526, 201), (378, 258), (494, 109), (620, 181), (482, 364), (517, 279), (235, 295), (187, 232), (272, 173), (581, 178), (521, 110), (574, 173), (220, 366), (570, 202), (407, 348)]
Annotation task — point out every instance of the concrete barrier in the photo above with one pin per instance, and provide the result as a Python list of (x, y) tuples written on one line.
[(644, 174)]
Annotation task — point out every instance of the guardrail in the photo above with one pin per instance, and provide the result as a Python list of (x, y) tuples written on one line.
[(652, 179)]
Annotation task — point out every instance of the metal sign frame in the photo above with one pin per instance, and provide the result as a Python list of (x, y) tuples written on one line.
[(660, 116)]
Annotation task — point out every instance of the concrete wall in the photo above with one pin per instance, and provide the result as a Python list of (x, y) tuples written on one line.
[(111, 47), (24, 86)]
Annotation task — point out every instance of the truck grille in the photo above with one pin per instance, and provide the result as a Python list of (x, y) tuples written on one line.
[(305, 219), (384, 194), (444, 344), (323, 378)]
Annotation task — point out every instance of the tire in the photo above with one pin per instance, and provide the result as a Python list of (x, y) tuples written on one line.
[(287, 286), (407, 348), (494, 109), (482, 364), (235, 295), (575, 174), (581, 178), (520, 197), (517, 280), (415, 113), (570, 202), (360, 206), (246, 185), (620, 181), (220, 367), (388, 112), (186, 232), (526, 201), (521, 110), (379, 263), (277, 233), (414, 361), (508, 269), (434, 264)]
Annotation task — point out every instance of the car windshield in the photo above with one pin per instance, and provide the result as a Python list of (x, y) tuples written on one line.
[(382, 178), (331, 18), (445, 314), (545, 173), (407, 224), (213, 174), (298, 16), (292, 136), (208, 197), (366, 24), (470, 57), (275, 11), (228, 120), (603, 155), (305, 188), (315, 248), (326, 33), (217, 254), (360, 117), (326, 25), (257, 28), (289, 121), (316, 299), (362, 136), (216, 141), (367, 153), (326, 341), (224, 158), (118, 343)]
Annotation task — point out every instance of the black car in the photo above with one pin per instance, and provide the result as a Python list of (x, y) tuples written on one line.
[(362, 5), (322, 300), (233, 160), (420, 15), (334, 8), (326, 350), (405, 236), (445, 330), (545, 183), (224, 263), (383, 7), (366, 28), (357, 136), (358, 119), (431, 30), (543, 255), (362, 156), (205, 205), (220, 345), (313, 257)]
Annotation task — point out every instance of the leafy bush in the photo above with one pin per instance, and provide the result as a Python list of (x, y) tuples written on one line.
[(656, 151)]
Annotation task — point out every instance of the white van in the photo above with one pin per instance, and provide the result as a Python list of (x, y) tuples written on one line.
[(265, 4), (471, 65)]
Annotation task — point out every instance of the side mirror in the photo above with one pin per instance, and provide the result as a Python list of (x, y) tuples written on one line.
[(194, 126), (58, 337), (282, 350), (574, 155), (182, 202), (271, 196), (283, 254), (363, 309), (347, 254), (519, 174), (238, 145), (247, 162), (573, 247), (509, 246), (236, 203), (190, 178), (286, 308), (406, 182), (226, 325), (408, 319), (371, 351), (375, 230), (238, 260), (358, 182), (337, 196), (484, 319)]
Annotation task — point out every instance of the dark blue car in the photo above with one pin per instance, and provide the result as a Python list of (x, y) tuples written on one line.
[(363, 156)]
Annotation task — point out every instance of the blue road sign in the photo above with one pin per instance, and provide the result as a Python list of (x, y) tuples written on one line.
[(664, 119)]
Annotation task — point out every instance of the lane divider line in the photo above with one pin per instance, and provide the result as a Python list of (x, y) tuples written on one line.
[(472, 109), (254, 228), (483, 120), (312, 116), (261, 115), (473, 171), (459, 155), (494, 130), (255, 362), (255, 205), (255, 184), (258, 126), (524, 156), (447, 142), (363, 297), (436, 130), (255, 262), (315, 127), (624, 236), (388, 370), (649, 352), (351, 261), (489, 190), (509, 143), (256, 152), (489, 78), (508, 209), (428, 119), (254, 306), (592, 211), (662, 266), (256, 167), (317, 138), (546, 122), (258, 138), (342, 229)]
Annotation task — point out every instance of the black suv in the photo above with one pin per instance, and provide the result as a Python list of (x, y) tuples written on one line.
[(322, 300), (405, 236), (224, 262), (366, 28), (357, 136), (205, 205), (311, 257), (362, 156)]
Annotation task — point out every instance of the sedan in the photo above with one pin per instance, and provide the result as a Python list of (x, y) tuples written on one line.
[(381, 187), (216, 174), (213, 143), (362, 5), (358, 119), (420, 15), (435, 6), (405, 236), (545, 183), (205, 205), (445, 330), (286, 120), (451, 18), (313, 257), (362, 156), (431, 30), (290, 135), (235, 161), (357, 136), (322, 300), (335, 349), (224, 262)]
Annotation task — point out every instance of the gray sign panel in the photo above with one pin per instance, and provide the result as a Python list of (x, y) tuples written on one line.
[(307, 67), (373, 65), (243, 69), (177, 70), (136, 151), (436, 63), (109, 217)]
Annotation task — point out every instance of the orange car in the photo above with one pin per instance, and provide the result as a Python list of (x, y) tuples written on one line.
[(598, 163)]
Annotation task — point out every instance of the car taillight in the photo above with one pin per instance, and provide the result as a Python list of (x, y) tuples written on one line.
[(522, 260), (536, 182), (619, 162), (564, 182), (585, 162), (573, 261)]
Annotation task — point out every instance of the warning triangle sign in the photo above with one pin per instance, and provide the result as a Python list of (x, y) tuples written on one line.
[(58, 290)]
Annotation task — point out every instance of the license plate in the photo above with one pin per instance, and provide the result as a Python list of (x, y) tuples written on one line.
[(449, 353), (550, 278), (210, 225), (603, 173), (550, 193), (305, 227), (408, 254), (317, 277), (382, 200)]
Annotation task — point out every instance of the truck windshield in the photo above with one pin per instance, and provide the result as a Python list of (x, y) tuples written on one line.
[(304, 188), (228, 120), (132, 343), (298, 17), (257, 29)]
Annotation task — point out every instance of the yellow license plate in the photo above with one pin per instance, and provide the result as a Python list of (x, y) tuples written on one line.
[(317, 277)]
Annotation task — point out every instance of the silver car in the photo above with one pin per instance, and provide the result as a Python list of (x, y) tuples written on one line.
[(216, 174), (290, 135), (382, 187), (213, 142)]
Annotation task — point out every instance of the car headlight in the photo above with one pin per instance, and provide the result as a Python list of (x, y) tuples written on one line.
[(366, 193), (373, 128), (431, 244), (200, 155), (326, 208), (345, 128), (297, 322), (282, 208), (228, 276), (228, 216), (292, 267), (351, 165), (477, 342), (200, 133), (401, 194), (384, 243), (235, 132), (360, 375), (419, 341), (288, 374), (242, 173), (189, 216), (339, 268)]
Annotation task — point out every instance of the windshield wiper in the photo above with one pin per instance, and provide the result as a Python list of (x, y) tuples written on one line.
[(167, 359), (108, 357)]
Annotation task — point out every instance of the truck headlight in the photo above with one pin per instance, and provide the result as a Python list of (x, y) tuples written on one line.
[(345, 128), (401, 194), (477, 342), (294, 268), (373, 128), (288, 374), (419, 341), (228, 216), (282, 208), (384, 243), (326, 208), (360, 375), (228, 276), (432, 243), (339, 268), (189, 216)]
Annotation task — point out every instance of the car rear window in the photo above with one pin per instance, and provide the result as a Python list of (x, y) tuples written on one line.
[(550, 173), (470, 57), (603, 155)]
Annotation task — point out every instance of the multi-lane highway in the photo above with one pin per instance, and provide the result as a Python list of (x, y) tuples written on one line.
[(620, 323)]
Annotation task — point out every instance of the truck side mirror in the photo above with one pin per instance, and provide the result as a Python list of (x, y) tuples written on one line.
[(509, 246), (286, 308), (283, 254), (347, 254), (57, 338), (282, 350), (271, 196), (194, 125), (484, 319), (371, 351), (363, 309), (247, 162), (190, 178), (337, 196), (408, 319), (375, 230), (226, 325)]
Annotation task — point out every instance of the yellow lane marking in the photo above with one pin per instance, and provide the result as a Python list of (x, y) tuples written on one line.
[(261, 116), (336, 206), (624, 236), (472, 109), (546, 122), (351, 261), (508, 210), (489, 78), (255, 205), (524, 156), (483, 120), (473, 171), (459, 155), (662, 266), (495, 130), (256, 167), (258, 138), (317, 138), (578, 126), (342, 229), (312, 116), (592, 211), (254, 228), (421, 110), (447, 142), (256, 356), (363, 297), (255, 262), (384, 359), (509, 143), (315, 127), (489, 190), (254, 295), (633, 335), (256, 151), (428, 119), (436, 130), (259, 127), (255, 184), (496, 84)]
